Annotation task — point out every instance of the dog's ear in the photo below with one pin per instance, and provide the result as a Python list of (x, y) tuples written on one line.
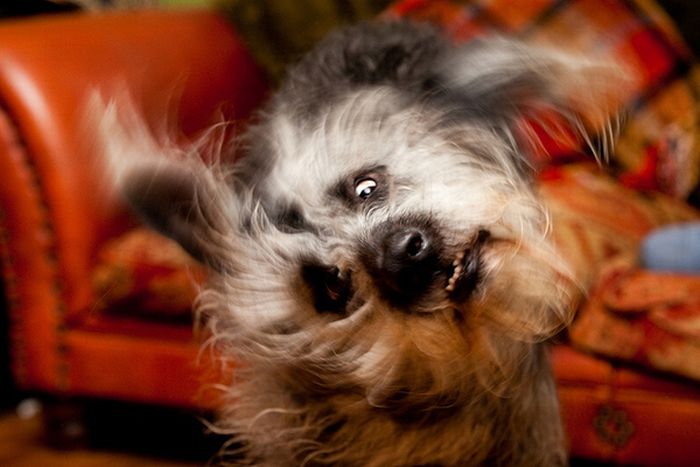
[(178, 202), (168, 185), (506, 81)]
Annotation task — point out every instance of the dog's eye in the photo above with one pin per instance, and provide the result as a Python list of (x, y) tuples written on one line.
[(365, 187)]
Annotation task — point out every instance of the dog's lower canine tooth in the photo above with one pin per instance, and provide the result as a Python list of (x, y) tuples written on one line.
[(456, 273)]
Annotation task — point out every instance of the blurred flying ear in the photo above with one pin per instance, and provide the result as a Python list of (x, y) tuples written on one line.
[(505, 81), (167, 185), (177, 202)]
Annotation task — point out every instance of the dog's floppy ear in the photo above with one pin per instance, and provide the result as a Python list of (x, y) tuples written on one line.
[(169, 186), (177, 201), (503, 80)]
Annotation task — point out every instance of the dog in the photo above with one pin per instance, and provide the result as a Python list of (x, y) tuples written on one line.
[(381, 265)]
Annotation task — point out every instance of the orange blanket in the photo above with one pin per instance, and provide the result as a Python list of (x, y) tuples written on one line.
[(647, 318)]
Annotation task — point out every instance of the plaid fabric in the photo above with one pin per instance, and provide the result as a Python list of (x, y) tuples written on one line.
[(659, 147), (597, 219)]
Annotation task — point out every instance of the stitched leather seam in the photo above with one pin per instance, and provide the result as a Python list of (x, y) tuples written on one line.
[(11, 277)]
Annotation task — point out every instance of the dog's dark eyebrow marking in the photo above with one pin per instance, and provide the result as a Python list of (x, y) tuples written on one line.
[(290, 219)]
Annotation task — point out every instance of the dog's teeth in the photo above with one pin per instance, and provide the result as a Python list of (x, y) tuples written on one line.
[(451, 283), (457, 264)]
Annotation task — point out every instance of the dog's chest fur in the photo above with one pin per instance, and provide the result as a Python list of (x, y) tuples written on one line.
[(342, 428)]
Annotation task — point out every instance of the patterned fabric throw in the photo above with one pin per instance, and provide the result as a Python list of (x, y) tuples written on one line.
[(650, 319)]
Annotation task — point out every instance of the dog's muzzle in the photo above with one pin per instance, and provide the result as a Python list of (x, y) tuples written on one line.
[(409, 259), (406, 260)]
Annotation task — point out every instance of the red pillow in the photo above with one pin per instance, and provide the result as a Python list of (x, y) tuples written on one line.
[(142, 273)]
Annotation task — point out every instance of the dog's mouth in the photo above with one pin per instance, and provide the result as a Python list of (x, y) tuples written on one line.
[(465, 272), (331, 288)]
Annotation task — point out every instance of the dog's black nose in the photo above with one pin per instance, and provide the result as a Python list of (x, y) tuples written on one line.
[(405, 247), (407, 262)]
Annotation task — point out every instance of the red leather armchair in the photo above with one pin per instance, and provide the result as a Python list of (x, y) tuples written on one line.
[(52, 225)]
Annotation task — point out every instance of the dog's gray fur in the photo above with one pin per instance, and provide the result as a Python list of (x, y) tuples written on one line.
[(386, 156)]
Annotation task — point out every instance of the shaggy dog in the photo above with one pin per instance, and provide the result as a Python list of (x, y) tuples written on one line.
[(381, 269)]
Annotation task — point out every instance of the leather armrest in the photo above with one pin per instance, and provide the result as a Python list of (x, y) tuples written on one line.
[(51, 219), (48, 65)]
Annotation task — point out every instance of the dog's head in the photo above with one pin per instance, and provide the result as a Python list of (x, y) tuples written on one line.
[(381, 235)]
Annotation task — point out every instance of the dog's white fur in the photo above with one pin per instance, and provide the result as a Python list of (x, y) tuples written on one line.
[(431, 382)]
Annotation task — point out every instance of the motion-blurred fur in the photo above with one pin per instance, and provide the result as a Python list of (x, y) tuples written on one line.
[(380, 262)]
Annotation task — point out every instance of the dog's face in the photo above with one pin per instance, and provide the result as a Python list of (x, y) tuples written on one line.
[(381, 238), (379, 204), (391, 245)]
